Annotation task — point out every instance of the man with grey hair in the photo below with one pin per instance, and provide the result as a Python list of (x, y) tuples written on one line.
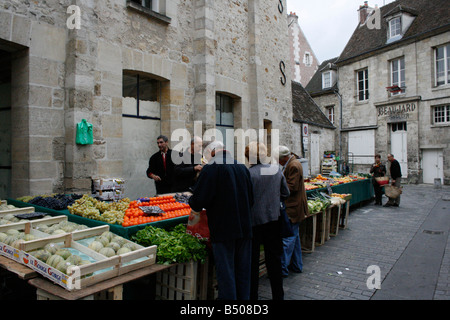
[(296, 209), (224, 188)]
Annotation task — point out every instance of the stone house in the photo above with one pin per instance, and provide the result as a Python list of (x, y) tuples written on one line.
[(394, 79), (303, 60), (317, 131), (133, 69)]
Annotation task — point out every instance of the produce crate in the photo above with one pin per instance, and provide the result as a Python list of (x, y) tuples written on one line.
[(335, 216), (178, 282), (321, 228), (16, 211), (14, 252), (140, 258), (307, 230), (98, 270)]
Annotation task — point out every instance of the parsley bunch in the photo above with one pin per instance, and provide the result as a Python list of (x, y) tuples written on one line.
[(175, 246)]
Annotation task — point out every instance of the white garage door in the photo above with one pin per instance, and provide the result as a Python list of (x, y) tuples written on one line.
[(361, 145)]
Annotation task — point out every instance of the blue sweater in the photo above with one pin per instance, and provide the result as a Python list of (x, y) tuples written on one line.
[(224, 188)]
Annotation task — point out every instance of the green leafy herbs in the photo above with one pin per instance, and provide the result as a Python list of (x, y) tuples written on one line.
[(175, 246)]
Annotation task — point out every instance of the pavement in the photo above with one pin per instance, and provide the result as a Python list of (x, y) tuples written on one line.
[(385, 253)]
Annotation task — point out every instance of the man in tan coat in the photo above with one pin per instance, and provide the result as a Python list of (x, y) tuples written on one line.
[(296, 209)]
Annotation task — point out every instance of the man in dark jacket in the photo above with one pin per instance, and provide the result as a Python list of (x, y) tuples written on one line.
[(396, 177), (160, 166), (224, 188), (185, 173)]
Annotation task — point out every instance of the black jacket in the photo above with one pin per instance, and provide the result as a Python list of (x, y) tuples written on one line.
[(184, 175), (396, 171), (156, 166), (226, 192)]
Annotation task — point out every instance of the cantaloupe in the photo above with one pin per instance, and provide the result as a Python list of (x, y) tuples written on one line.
[(130, 246), (54, 260), (107, 252), (113, 245), (63, 265), (123, 250), (103, 239), (74, 259), (109, 235), (42, 255), (3, 236), (96, 246), (65, 253), (52, 247)]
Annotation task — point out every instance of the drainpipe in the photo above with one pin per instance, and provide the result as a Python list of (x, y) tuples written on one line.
[(336, 92)]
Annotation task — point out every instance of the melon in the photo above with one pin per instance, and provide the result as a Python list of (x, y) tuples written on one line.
[(3, 236), (113, 245), (130, 246), (29, 237), (65, 253), (119, 240), (104, 240), (96, 246), (74, 259), (107, 252), (10, 239), (12, 232), (54, 260), (63, 265), (41, 255), (59, 231), (52, 247), (16, 244), (123, 250), (108, 234)]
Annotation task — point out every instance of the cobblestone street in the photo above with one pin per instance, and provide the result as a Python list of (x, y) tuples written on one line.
[(384, 237)]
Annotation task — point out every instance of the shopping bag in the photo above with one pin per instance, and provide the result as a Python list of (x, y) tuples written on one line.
[(198, 226), (382, 180), (392, 192), (85, 134)]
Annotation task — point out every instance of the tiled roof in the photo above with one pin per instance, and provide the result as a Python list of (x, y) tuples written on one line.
[(305, 110), (432, 16), (314, 86)]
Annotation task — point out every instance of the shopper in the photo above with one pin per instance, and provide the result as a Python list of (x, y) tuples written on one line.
[(160, 166), (185, 173), (396, 177), (377, 170), (224, 188), (269, 187), (296, 209)]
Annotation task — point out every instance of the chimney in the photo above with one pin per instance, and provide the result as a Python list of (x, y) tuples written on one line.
[(364, 11)]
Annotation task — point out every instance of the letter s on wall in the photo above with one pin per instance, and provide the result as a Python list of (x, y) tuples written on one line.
[(283, 69)]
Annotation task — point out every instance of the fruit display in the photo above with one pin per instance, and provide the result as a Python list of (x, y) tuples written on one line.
[(51, 201), (169, 208), (109, 244), (91, 208)]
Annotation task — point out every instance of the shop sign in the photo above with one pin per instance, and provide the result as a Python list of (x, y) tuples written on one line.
[(397, 112)]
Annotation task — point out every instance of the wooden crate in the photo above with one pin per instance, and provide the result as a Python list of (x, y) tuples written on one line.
[(335, 214), (321, 228), (178, 282), (17, 211), (307, 231)]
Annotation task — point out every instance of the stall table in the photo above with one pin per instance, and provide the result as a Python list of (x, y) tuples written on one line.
[(110, 289)]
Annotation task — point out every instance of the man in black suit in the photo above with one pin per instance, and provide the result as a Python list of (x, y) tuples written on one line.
[(160, 166)]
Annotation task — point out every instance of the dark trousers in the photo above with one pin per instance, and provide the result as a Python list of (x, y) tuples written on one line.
[(233, 260), (378, 191), (269, 236)]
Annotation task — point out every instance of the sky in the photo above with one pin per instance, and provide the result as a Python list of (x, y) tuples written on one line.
[(328, 24)]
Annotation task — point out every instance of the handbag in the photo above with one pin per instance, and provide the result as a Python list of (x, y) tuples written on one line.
[(392, 192), (382, 180), (285, 223)]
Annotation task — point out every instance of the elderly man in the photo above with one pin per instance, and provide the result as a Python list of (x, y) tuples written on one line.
[(296, 209), (224, 188), (185, 173)]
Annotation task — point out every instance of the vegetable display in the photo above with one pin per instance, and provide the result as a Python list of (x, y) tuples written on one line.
[(174, 246)]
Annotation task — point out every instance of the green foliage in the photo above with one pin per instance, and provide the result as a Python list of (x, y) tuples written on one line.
[(174, 246)]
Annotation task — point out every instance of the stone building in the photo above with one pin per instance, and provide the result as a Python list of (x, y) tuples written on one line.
[(303, 60), (134, 69), (317, 131), (394, 79)]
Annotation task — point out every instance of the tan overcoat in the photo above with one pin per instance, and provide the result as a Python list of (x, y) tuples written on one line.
[(296, 203)]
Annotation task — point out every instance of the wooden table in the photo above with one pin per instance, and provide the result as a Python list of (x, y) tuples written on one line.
[(23, 272), (110, 289)]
